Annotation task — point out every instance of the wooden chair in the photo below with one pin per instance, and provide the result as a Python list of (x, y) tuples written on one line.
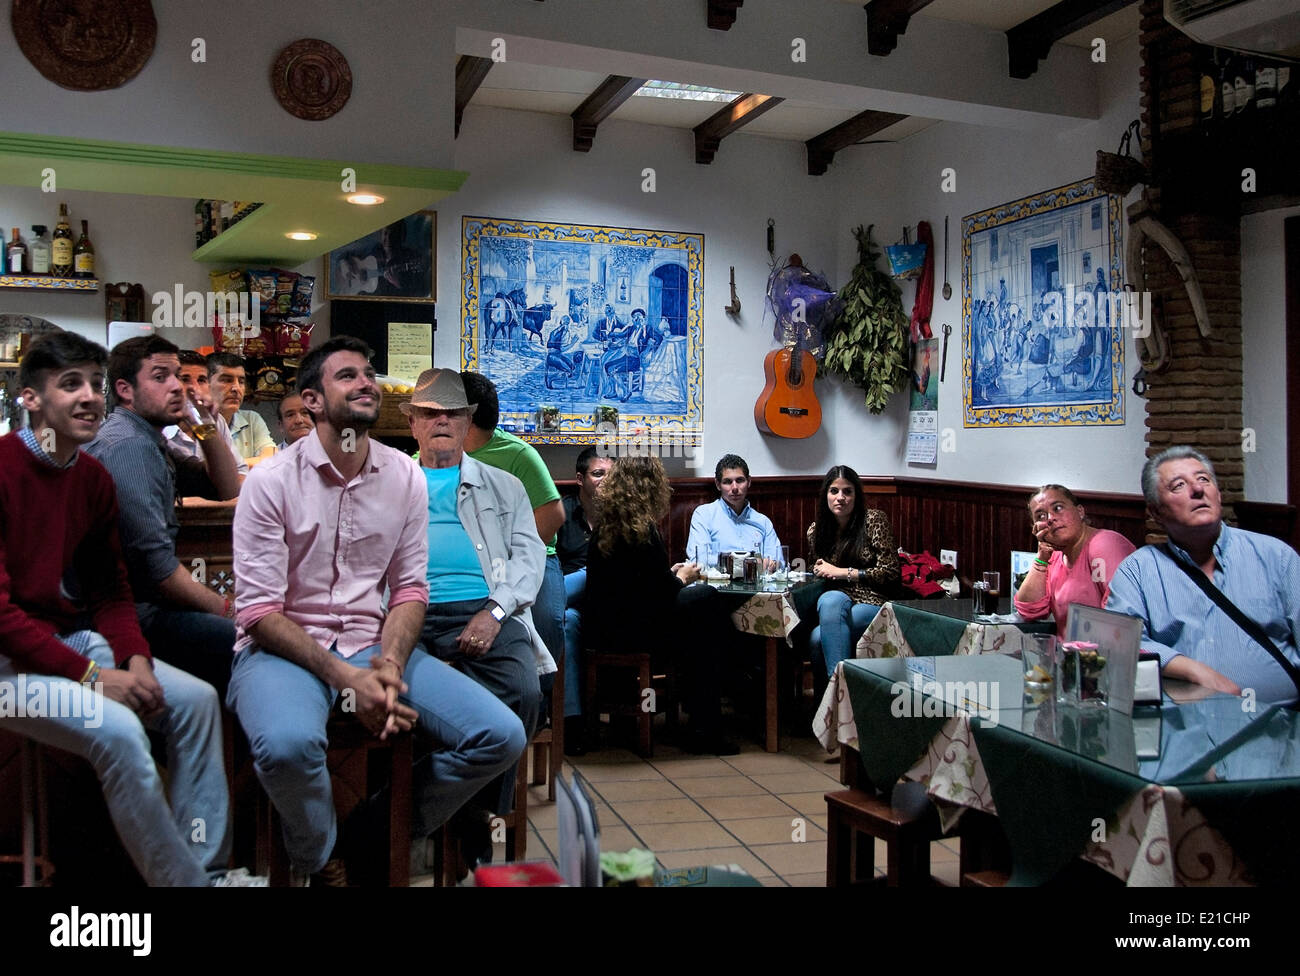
[(854, 816), (640, 663), (34, 811), (547, 747), (446, 840), (360, 765)]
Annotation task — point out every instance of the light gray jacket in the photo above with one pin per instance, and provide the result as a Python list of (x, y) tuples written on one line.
[(494, 510)]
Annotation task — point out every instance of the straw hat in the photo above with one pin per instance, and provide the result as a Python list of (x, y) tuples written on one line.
[(439, 389)]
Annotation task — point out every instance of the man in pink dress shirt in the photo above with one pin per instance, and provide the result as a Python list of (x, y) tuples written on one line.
[(320, 534)]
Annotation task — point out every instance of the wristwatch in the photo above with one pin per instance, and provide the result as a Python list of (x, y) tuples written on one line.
[(498, 614)]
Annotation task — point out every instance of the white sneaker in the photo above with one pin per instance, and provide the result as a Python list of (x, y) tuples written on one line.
[(239, 878)]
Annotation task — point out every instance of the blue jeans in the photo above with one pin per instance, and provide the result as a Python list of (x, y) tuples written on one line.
[(284, 707), (548, 615), (843, 623), (201, 644), (508, 670), (180, 845), (575, 588)]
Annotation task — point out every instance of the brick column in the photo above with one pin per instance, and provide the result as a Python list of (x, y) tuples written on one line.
[(1197, 400)]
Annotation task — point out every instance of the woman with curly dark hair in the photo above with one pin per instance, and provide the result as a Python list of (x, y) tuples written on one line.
[(637, 603), (852, 549)]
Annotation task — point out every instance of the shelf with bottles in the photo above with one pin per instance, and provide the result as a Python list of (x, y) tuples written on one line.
[(48, 282)]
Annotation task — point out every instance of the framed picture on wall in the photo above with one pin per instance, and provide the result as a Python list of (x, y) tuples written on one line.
[(1042, 288), (393, 264), (573, 321)]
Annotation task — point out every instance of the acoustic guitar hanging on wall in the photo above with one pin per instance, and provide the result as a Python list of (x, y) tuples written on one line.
[(788, 405), (799, 299)]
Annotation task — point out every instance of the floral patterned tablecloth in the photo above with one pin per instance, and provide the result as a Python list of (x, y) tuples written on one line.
[(833, 722), (767, 615)]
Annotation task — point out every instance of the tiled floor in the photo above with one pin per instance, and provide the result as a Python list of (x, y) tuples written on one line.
[(763, 811)]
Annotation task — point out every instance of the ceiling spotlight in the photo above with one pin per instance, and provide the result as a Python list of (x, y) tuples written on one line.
[(365, 199), (300, 235)]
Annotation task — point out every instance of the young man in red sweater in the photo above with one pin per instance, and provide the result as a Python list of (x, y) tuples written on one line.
[(75, 671)]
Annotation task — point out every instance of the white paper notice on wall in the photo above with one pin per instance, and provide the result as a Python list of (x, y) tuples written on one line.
[(410, 349), (922, 436)]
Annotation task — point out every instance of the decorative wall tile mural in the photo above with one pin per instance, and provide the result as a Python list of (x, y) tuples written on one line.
[(1043, 343), (571, 319)]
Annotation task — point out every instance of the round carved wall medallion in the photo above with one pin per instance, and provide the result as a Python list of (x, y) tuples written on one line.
[(311, 79), (86, 45)]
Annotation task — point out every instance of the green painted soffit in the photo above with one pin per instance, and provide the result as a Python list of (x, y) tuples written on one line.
[(296, 194)]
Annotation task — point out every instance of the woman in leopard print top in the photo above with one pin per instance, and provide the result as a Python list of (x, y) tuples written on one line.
[(852, 549)]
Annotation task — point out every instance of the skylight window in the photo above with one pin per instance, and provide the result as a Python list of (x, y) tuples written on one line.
[(694, 93)]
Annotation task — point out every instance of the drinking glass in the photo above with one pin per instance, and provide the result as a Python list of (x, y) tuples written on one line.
[(783, 562), (1038, 655), (978, 591), (993, 583)]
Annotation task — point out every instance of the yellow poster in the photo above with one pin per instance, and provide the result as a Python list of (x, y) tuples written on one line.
[(410, 350)]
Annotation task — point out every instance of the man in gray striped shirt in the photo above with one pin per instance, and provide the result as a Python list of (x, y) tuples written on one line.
[(1196, 640), (186, 623)]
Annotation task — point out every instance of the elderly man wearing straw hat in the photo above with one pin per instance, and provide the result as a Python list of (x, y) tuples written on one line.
[(485, 568)]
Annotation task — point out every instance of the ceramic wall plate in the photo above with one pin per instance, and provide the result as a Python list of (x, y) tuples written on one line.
[(311, 79), (86, 46)]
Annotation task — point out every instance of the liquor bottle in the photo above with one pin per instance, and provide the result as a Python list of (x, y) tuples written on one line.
[(83, 255), (17, 255), (61, 248), (1244, 83), (198, 224), (39, 250), (1265, 85), (1285, 90), (1209, 85), (1227, 90)]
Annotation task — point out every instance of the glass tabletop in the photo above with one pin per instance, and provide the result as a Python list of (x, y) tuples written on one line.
[(765, 584), (963, 609), (1214, 739)]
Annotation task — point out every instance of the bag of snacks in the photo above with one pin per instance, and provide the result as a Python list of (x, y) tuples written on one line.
[(292, 339)]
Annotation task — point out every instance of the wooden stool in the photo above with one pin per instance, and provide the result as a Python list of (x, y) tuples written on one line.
[(853, 815), (35, 854), (360, 765), (547, 747), (640, 663), (446, 839)]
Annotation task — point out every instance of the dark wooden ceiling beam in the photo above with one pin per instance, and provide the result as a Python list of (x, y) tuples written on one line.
[(470, 72), (1030, 41), (822, 148), (886, 20), (600, 105), (722, 13), (740, 112)]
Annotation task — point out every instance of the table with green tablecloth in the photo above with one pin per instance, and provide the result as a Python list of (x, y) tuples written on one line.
[(921, 628), (1201, 792)]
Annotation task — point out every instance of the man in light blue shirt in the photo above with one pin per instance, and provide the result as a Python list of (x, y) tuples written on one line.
[(1196, 640), (730, 524)]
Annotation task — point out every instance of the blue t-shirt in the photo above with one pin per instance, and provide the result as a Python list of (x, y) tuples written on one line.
[(456, 573)]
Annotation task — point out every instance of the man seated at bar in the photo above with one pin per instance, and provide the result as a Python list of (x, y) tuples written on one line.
[(580, 516), (321, 532), (185, 622), (1196, 640), (1075, 561), (68, 629), (489, 444), (229, 384), (194, 377), (484, 573), (730, 524), (295, 420)]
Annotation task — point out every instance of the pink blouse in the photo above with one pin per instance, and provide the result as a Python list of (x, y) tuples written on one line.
[(1075, 583)]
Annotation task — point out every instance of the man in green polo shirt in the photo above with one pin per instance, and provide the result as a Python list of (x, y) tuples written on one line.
[(488, 444)]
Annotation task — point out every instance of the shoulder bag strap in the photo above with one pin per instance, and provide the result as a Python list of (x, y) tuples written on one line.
[(1235, 614)]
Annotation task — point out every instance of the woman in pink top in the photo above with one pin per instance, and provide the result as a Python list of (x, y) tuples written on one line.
[(1075, 560)]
